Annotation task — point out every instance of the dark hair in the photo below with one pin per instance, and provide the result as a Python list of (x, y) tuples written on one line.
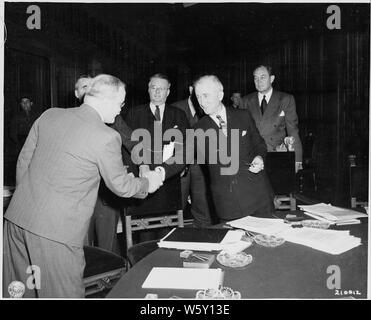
[(160, 76), (25, 96), (266, 66)]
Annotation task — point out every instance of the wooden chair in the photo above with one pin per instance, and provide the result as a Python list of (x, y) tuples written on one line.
[(306, 178), (358, 188), (103, 268), (280, 167), (133, 223)]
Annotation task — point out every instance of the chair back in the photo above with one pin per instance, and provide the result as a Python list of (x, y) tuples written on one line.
[(150, 221), (358, 183)]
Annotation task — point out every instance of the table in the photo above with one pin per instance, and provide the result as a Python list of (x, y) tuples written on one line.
[(287, 271)]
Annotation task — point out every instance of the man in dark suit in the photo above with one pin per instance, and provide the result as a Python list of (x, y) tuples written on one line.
[(245, 190), (158, 114), (236, 99), (58, 174), (194, 182), (274, 113)]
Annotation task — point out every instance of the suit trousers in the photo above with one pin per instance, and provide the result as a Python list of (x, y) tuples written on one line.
[(194, 184), (103, 226), (47, 268)]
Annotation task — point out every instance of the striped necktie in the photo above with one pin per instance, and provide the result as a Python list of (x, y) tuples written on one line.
[(157, 114), (222, 124)]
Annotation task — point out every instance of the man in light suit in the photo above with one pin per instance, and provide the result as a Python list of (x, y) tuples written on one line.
[(58, 175), (169, 197), (274, 113), (103, 224), (194, 182), (246, 191)]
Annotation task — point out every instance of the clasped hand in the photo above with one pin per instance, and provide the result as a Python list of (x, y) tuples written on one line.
[(257, 165), (154, 178)]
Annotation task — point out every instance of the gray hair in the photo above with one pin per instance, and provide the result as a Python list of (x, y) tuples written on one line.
[(211, 77), (104, 85)]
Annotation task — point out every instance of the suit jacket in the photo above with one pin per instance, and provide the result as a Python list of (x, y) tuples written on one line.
[(58, 174), (278, 121), (243, 193), (168, 197), (183, 105)]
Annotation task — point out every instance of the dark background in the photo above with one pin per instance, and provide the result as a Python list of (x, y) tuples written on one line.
[(326, 70)]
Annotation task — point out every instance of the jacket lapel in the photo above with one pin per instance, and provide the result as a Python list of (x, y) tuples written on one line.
[(273, 104), (256, 107)]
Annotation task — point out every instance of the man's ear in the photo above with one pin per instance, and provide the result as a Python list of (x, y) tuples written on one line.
[(168, 92), (220, 95), (272, 78)]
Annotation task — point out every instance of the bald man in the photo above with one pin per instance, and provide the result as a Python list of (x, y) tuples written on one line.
[(246, 191)]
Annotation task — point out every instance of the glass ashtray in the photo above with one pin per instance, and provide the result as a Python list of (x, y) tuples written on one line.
[(315, 224), (221, 293), (268, 241), (236, 260)]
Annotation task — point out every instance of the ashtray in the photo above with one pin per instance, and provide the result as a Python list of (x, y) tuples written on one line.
[(236, 260), (268, 241), (315, 224), (221, 293)]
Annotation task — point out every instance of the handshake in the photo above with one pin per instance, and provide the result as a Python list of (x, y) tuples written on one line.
[(154, 177)]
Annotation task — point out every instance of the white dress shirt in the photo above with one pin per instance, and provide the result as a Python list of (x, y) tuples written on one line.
[(223, 113), (161, 107), (267, 96), (191, 107)]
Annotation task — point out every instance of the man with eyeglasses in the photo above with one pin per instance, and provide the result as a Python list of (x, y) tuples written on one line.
[(103, 224), (166, 117)]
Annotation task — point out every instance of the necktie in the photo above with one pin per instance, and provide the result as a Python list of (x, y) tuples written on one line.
[(222, 124), (157, 114), (263, 105)]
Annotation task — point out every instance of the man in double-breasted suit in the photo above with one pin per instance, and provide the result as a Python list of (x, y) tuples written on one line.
[(244, 188), (58, 174), (195, 180), (158, 114), (274, 113)]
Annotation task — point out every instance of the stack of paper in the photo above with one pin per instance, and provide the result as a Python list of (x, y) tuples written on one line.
[(184, 278), (204, 240), (260, 225), (326, 212), (330, 241)]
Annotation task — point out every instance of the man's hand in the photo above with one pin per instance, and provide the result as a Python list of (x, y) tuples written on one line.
[(154, 179), (257, 165), (143, 168), (298, 166)]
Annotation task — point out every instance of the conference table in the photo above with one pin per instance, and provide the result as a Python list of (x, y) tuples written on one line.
[(287, 271)]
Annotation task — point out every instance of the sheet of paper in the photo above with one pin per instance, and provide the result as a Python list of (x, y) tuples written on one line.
[(332, 213), (183, 278), (231, 238), (260, 225), (330, 241), (168, 151)]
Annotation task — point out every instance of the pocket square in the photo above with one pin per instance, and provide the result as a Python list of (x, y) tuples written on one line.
[(282, 114), (244, 132)]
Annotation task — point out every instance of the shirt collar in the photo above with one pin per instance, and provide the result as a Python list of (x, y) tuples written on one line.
[(267, 95), (161, 107), (222, 112)]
